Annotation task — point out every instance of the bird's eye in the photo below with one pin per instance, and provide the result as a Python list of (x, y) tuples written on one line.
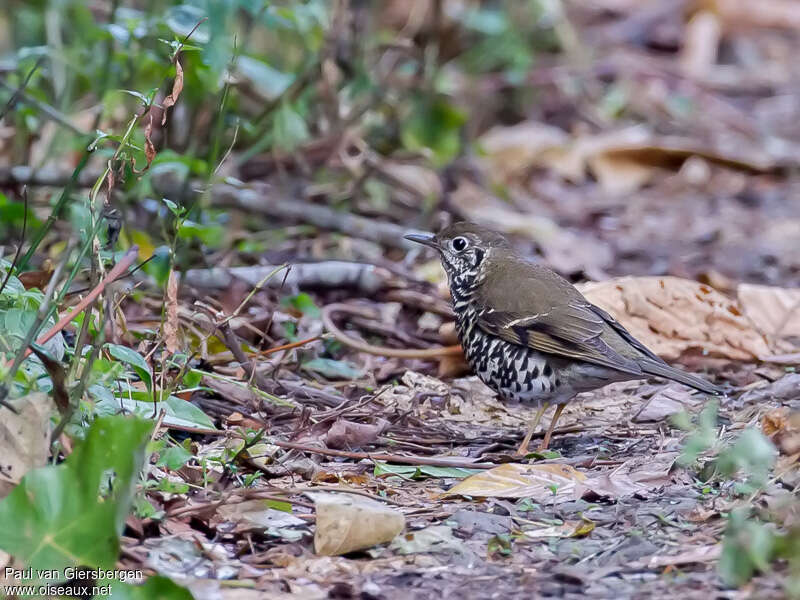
[(459, 244)]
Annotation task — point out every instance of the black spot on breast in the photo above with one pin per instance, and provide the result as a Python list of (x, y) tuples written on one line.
[(547, 371), (542, 384), (558, 382), (535, 372)]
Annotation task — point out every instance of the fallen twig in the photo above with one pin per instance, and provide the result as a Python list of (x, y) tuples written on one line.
[(365, 278), (425, 353)]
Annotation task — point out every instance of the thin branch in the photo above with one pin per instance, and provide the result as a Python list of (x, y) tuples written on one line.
[(46, 109), (19, 91)]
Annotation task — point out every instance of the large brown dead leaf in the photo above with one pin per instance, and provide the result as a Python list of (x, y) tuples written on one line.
[(24, 439), (674, 316), (544, 483)]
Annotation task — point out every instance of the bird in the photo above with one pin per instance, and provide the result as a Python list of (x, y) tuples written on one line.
[(529, 334)]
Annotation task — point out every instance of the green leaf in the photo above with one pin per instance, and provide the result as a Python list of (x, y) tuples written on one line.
[(289, 129), (279, 505), (752, 454), (748, 546), (135, 360), (174, 457), (72, 514), (269, 82), (138, 95), (176, 410), (211, 235), (332, 369), (155, 588), (174, 208), (192, 378), (304, 303), (423, 471), (172, 487), (434, 125), (184, 410)]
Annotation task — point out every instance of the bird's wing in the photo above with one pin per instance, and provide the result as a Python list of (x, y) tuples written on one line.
[(572, 330), (625, 334)]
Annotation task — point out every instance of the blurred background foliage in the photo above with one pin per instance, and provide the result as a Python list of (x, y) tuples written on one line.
[(260, 79)]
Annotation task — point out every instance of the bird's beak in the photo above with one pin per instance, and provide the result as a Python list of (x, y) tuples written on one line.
[(426, 239)]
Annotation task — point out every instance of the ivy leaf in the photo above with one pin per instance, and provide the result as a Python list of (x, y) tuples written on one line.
[(73, 513), (136, 361)]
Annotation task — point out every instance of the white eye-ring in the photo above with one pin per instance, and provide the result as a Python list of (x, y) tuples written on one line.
[(459, 244)]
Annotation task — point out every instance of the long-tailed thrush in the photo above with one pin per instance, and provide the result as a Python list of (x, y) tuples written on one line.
[(529, 334)]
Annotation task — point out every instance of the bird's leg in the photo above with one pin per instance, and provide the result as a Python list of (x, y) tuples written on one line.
[(523, 447), (546, 440)]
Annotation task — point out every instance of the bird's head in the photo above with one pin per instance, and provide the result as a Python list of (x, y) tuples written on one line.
[(463, 247)]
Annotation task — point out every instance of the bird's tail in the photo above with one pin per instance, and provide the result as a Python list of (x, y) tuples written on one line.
[(652, 367)]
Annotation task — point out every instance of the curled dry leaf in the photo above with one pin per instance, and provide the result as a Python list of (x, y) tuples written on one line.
[(149, 148), (674, 316), (542, 483), (24, 439), (346, 523), (177, 88), (622, 160), (347, 434)]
